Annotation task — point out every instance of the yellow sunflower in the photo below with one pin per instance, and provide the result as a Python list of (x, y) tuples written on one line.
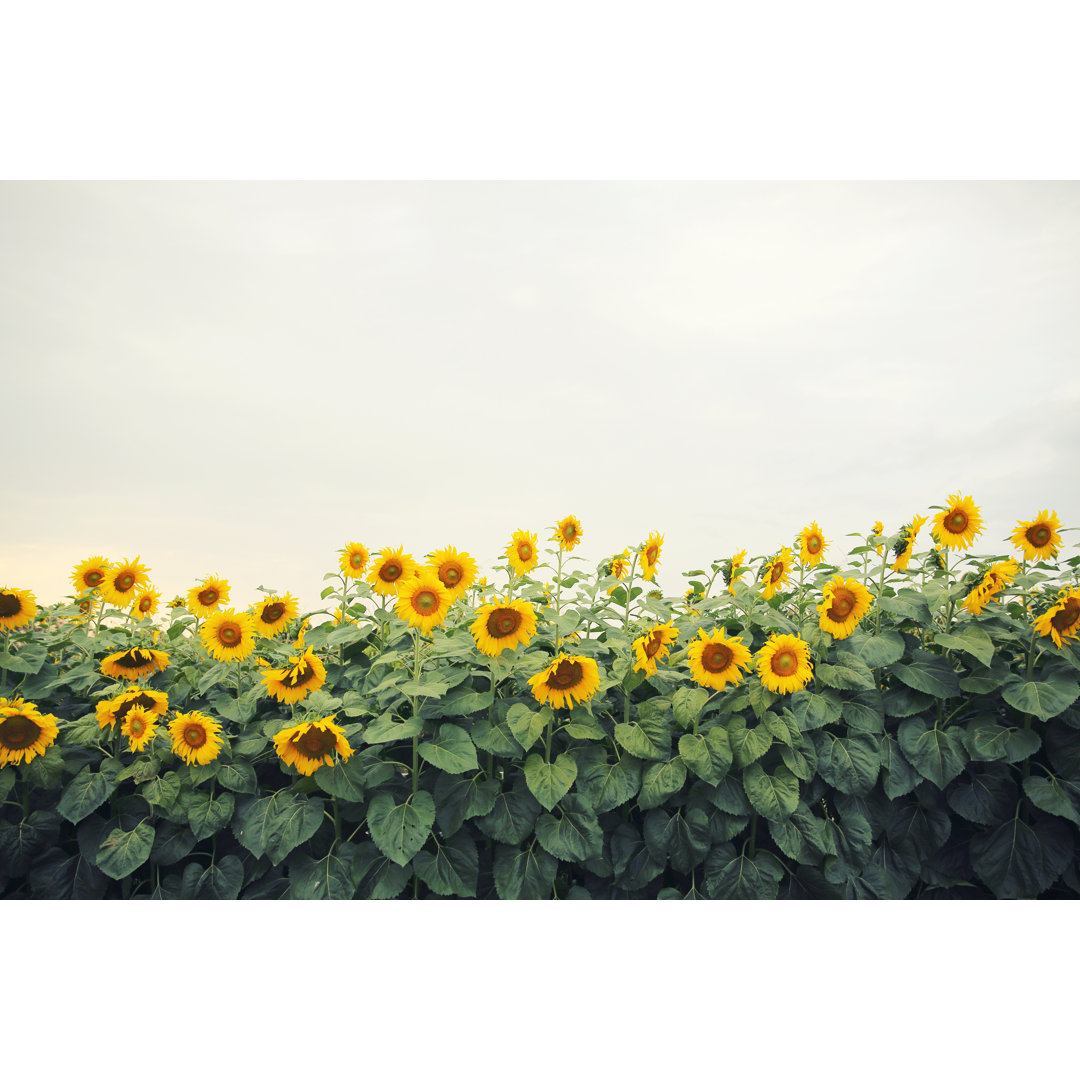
[(308, 746), (995, 579), (354, 560), (196, 739), (650, 555), (145, 604), (715, 659), (455, 569), (567, 532), (812, 545), (503, 624), (132, 664), (732, 573), (25, 731), (1062, 621), (389, 570), (879, 528), (273, 614), (205, 599), (653, 647), (423, 602), (301, 676), (17, 608), (958, 524), (140, 726), (775, 572), (228, 635), (521, 552), (90, 573), (619, 566), (152, 701), (783, 663), (1038, 539), (843, 604), (86, 605), (566, 681), (903, 547), (122, 580)]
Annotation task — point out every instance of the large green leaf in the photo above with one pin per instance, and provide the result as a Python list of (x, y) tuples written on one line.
[(986, 797), (27, 659), (684, 837), (864, 714), (1017, 860), (460, 798), (661, 780), (123, 851), (328, 878), (647, 737), (344, 780), (1042, 699), (494, 739), (527, 725), (987, 741), (929, 674), (388, 728), (221, 880), (848, 673), (739, 877), (550, 781), (451, 750), (850, 765), (1055, 796), (465, 703), (83, 795), (452, 869), (633, 862), (971, 639), (512, 817), (707, 756), (400, 829), (208, 814), (524, 875), (937, 753), (297, 822), (875, 651), (814, 711), (378, 877), (898, 775), (574, 834), (162, 791), (238, 776), (747, 744), (608, 784), (774, 796), (918, 828), (686, 705)]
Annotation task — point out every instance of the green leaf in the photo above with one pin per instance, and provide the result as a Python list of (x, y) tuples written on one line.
[(387, 728), (574, 835), (451, 750), (648, 737), (813, 711), (907, 604), (987, 741), (524, 875), (850, 765), (328, 878), (632, 861), (986, 798), (344, 779), (122, 852), (737, 877), (1055, 796), (206, 814), (707, 756), (297, 822), (83, 795), (527, 725), (582, 725), (494, 739), (686, 705), (549, 782), (27, 659), (453, 869), (221, 880), (747, 744), (238, 776), (465, 703), (973, 640), (460, 798), (898, 776), (918, 828), (774, 796), (875, 651), (379, 878), (660, 780), (864, 714), (161, 791), (936, 754), (1017, 860), (400, 829), (849, 672), (1042, 699), (608, 784), (426, 687), (512, 817), (929, 674)]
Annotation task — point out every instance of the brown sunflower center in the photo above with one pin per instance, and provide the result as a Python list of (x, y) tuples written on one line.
[(653, 643), (357, 560), (784, 663), (1038, 536), (569, 532), (125, 581), (135, 658), (138, 727), (195, 735), (93, 577), (146, 603), (208, 597), (503, 622), (813, 543), (315, 743), (776, 573), (86, 605), (229, 634), (17, 732), (10, 605), (424, 601), (524, 551), (566, 675), (390, 571), (272, 613), (144, 701), (1067, 616), (300, 673), (842, 604), (651, 554), (716, 657), (957, 521), (450, 574)]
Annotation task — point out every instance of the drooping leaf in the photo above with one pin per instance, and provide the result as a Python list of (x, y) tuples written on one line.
[(851, 764), (937, 753), (400, 829), (660, 780), (1043, 700), (1017, 860), (84, 794), (123, 851), (452, 869), (773, 795), (572, 833)]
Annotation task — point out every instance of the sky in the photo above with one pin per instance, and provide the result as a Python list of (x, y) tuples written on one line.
[(239, 378)]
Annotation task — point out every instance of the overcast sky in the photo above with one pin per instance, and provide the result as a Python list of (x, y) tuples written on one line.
[(239, 378)]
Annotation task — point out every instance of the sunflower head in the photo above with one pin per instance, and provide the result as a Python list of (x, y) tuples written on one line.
[(116, 709), (132, 664), (301, 676), (650, 555), (145, 604), (25, 731), (844, 602), (878, 529), (783, 663), (140, 727), (1039, 538), (812, 545), (566, 681), (716, 660), (196, 739), (989, 584), (228, 635), (311, 745), (1061, 621), (90, 573), (958, 524), (17, 608), (521, 552), (503, 624), (273, 614), (653, 646), (775, 573), (390, 569), (354, 560), (423, 601), (455, 569), (122, 581), (205, 599), (618, 566), (567, 533)]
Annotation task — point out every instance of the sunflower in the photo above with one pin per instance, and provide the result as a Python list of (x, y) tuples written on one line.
[(503, 624), (90, 573), (301, 676), (205, 599), (715, 659), (423, 602), (308, 746), (775, 572), (140, 726), (653, 646), (273, 614), (1062, 621), (145, 603), (86, 605), (354, 560), (812, 545), (783, 663), (619, 565), (565, 681), (391, 568), (879, 528), (25, 731), (120, 582), (1038, 539), (196, 739), (521, 552), (132, 664), (152, 701), (903, 547), (958, 524), (567, 532), (650, 555), (17, 608), (990, 584), (455, 569), (843, 604), (228, 635), (731, 573)]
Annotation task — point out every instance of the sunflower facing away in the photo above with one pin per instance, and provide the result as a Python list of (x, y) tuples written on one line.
[(735, 571), (998, 577), (1062, 621), (650, 555), (567, 532), (205, 599), (783, 663), (25, 731), (309, 746), (521, 552), (1038, 539), (503, 624), (775, 572), (619, 565), (903, 547), (812, 545), (566, 681), (653, 647), (389, 570), (844, 602), (132, 664), (117, 708), (17, 608), (122, 580), (354, 560), (90, 573), (879, 528), (958, 524), (455, 569), (140, 727), (301, 676), (228, 635), (273, 614), (715, 659), (145, 604), (196, 739)]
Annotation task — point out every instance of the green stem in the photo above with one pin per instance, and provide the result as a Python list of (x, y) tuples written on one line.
[(558, 601), (3, 674), (344, 598), (417, 663), (337, 822), (881, 589), (626, 633)]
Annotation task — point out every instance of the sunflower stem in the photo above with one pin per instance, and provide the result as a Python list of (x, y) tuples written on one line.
[(344, 597), (337, 822), (881, 589), (558, 601), (417, 663), (7, 650)]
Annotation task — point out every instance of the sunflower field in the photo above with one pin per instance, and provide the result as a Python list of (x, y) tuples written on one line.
[(897, 722)]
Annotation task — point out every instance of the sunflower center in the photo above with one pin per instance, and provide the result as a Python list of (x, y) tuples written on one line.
[(208, 597), (653, 644), (144, 701), (138, 727), (776, 573), (315, 743), (842, 605), (85, 605), (391, 571), (195, 735), (357, 560), (1038, 536), (784, 663), (503, 622), (566, 675), (300, 673), (525, 552), (134, 658), (957, 522), (425, 602), (17, 732), (272, 612), (125, 581), (716, 657), (569, 532), (813, 544), (651, 554), (229, 634), (1067, 616), (146, 603), (450, 575), (9, 605), (94, 577)]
